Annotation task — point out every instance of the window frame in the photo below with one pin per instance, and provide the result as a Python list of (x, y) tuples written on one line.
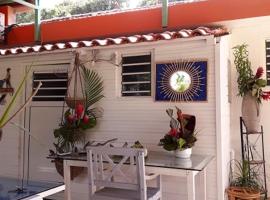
[(267, 64), (120, 72), (49, 98)]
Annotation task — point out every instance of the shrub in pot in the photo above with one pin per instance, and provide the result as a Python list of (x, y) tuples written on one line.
[(250, 88), (244, 182)]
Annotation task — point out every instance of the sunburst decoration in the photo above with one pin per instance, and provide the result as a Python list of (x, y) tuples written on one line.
[(194, 89)]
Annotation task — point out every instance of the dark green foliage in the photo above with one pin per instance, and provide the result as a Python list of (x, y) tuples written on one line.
[(247, 81), (243, 67), (169, 143), (244, 175)]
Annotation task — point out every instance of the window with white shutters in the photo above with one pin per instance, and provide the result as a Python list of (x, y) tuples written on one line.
[(136, 75), (54, 85)]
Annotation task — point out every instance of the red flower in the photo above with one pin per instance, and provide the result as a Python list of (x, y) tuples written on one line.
[(79, 110), (266, 96), (70, 119), (259, 72), (85, 119), (173, 132)]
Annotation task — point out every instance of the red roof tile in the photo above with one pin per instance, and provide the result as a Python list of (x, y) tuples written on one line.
[(151, 37)]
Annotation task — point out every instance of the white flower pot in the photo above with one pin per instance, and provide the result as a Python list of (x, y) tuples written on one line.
[(183, 154), (251, 113)]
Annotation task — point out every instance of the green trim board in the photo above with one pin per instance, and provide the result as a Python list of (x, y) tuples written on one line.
[(165, 13)]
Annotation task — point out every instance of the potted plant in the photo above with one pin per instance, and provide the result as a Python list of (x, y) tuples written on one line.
[(181, 137), (244, 182), (250, 88), (77, 119)]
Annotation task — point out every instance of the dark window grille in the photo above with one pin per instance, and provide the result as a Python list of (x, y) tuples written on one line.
[(267, 49), (136, 75), (54, 86)]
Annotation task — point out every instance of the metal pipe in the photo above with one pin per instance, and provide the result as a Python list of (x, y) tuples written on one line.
[(164, 13)]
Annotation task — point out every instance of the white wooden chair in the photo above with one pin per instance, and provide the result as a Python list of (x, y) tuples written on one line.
[(110, 180)]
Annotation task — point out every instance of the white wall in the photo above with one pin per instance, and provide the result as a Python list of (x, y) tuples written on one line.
[(141, 118), (254, 32), (10, 144)]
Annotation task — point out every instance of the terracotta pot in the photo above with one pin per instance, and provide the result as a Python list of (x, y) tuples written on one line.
[(183, 153), (251, 113)]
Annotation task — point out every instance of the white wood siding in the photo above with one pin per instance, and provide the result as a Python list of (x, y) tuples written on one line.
[(140, 118), (143, 119)]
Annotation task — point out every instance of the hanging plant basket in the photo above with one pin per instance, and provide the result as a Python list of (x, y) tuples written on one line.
[(72, 101), (74, 171), (242, 193)]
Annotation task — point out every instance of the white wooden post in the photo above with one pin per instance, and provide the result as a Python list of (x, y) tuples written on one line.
[(202, 184), (191, 184), (67, 180)]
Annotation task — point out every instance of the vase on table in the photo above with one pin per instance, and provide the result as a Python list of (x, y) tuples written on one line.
[(251, 113), (186, 153)]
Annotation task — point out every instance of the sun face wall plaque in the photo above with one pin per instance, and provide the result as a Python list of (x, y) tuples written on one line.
[(181, 81)]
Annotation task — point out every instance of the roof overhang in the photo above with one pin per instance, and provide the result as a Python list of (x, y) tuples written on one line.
[(135, 39)]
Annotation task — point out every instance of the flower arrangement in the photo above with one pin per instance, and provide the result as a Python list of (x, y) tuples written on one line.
[(182, 133), (80, 116), (71, 129), (247, 81)]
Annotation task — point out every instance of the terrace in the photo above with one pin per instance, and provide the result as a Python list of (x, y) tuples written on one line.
[(163, 77)]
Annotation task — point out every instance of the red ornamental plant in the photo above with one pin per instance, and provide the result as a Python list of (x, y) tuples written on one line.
[(75, 121), (182, 133), (79, 118), (72, 128), (258, 83), (247, 81)]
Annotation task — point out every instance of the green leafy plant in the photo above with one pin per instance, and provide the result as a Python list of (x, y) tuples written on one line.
[(182, 134), (247, 81), (5, 117), (244, 175), (71, 131)]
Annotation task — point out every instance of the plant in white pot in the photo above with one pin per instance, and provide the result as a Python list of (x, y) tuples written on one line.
[(250, 88), (182, 137)]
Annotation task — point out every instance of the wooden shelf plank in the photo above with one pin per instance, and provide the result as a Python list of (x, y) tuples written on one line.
[(256, 162)]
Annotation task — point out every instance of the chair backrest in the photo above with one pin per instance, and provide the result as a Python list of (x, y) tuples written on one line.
[(107, 164)]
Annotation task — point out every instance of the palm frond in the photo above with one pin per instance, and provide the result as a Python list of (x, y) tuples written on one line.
[(93, 86)]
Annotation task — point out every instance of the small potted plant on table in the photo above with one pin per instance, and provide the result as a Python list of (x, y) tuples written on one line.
[(182, 137)]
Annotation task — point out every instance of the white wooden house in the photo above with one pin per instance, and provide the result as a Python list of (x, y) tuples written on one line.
[(128, 118)]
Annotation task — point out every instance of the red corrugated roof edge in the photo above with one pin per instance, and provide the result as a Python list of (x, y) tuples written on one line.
[(151, 37)]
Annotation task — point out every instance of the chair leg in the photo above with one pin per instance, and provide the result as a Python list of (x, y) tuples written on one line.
[(159, 185)]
